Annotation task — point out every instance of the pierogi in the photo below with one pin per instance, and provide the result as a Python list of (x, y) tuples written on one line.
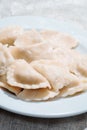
[(40, 65)]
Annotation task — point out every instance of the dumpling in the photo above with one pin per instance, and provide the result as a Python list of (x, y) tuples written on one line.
[(79, 67), (9, 34), (48, 34), (64, 55), (60, 38), (37, 94), (19, 53), (28, 38), (3, 84), (73, 89), (22, 75), (67, 57), (82, 66), (35, 52), (5, 58), (57, 74), (42, 50)]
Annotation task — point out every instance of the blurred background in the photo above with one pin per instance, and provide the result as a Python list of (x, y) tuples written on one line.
[(73, 10)]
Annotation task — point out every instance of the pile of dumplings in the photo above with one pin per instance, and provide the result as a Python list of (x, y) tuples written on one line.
[(40, 65)]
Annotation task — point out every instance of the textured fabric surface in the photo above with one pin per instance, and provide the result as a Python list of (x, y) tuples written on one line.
[(73, 10)]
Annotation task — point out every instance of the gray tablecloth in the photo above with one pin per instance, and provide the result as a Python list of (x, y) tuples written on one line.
[(73, 10)]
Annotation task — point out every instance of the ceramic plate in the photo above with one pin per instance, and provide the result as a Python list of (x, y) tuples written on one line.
[(50, 109)]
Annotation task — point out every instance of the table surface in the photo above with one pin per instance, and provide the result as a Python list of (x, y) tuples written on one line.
[(73, 10)]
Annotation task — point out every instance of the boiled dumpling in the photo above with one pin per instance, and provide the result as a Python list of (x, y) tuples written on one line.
[(19, 53), (60, 38), (73, 89), (82, 66), (39, 65), (68, 57), (47, 34), (28, 38), (56, 73), (79, 67), (35, 52), (5, 58), (41, 51), (37, 94), (80, 70), (22, 75), (9, 34), (3, 84)]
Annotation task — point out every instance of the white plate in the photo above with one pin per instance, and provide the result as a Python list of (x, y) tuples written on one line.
[(51, 109)]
